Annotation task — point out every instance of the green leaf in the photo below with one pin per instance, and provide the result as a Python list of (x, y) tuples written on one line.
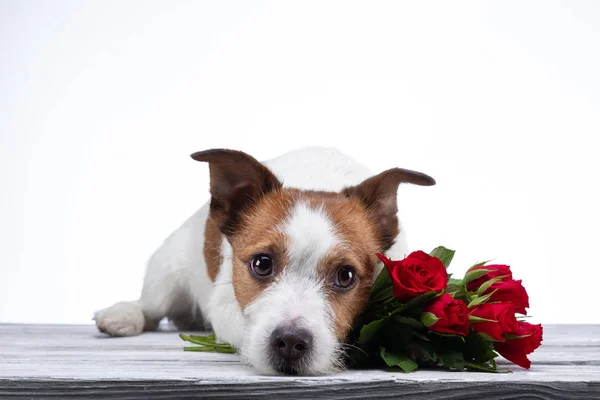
[(199, 348), (480, 264), (208, 340), (422, 336), (480, 300), (453, 360), (454, 281), (489, 283), (429, 319), (445, 255), (490, 355), (228, 350), (369, 331), (455, 287), (479, 349), (513, 337), (385, 294), (487, 337), (481, 367), (417, 301), (398, 360), (472, 275), (212, 337), (449, 335), (412, 322), (422, 352), (395, 336), (473, 318), (383, 281), (207, 343)]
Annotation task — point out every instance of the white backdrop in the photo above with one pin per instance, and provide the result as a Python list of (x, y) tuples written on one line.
[(102, 102)]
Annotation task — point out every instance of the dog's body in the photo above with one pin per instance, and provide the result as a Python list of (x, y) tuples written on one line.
[(279, 263)]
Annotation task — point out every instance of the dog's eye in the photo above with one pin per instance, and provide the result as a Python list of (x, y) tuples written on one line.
[(345, 277), (261, 265)]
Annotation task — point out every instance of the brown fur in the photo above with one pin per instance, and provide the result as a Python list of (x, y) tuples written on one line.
[(257, 234), (359, 233), (212, 248)]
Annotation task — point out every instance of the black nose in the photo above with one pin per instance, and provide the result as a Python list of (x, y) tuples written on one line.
[(291, 343)]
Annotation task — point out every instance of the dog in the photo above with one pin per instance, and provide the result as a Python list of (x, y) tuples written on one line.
[(279, 263)]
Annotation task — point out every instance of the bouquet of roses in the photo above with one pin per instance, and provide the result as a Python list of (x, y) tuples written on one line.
[(419, 316)]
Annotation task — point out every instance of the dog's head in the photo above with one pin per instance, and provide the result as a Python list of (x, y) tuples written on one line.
[(303, 261)]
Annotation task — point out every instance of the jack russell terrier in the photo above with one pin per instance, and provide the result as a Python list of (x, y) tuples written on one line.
[(279, 263)]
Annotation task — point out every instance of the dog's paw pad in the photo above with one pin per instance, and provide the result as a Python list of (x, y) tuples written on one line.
[(122, 319)]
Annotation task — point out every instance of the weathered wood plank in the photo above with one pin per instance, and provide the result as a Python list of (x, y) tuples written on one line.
[(297, 390), (76, 361)]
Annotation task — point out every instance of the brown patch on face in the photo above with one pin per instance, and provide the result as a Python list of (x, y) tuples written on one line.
[(258, 233), (360, 246), (347, 304), (212, 248)]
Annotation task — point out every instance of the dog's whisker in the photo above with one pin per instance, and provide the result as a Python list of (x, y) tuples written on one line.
[(351, 346)]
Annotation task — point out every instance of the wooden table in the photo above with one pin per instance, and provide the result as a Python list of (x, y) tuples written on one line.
[(38, 361)]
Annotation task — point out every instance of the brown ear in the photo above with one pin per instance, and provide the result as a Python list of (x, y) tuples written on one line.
[(237, 180), (378, 194)]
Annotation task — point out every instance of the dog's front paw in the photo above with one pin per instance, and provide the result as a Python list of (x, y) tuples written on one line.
[(121, 319)]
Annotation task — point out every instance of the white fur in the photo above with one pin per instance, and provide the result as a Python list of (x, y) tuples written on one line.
[(224, 311), (311, 236), (122, 319), (178, 268), (292, 298)]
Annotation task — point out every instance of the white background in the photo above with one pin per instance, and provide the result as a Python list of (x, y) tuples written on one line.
[(102, 102)]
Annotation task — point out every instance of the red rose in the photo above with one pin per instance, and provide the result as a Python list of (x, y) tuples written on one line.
[(501, 316), (511, 292), (495, 271), (452, 315), (417, 274), (516, 350)]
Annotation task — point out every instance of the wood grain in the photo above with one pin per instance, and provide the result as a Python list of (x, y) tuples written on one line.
[(38, 361)]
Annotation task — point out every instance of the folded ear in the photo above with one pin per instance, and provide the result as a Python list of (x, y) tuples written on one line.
[(378, 194), (237, 180)]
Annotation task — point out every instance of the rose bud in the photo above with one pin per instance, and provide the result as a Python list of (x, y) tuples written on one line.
[(417, 274), (529, 338), (501, 319), (496, 270), (446, 315)]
